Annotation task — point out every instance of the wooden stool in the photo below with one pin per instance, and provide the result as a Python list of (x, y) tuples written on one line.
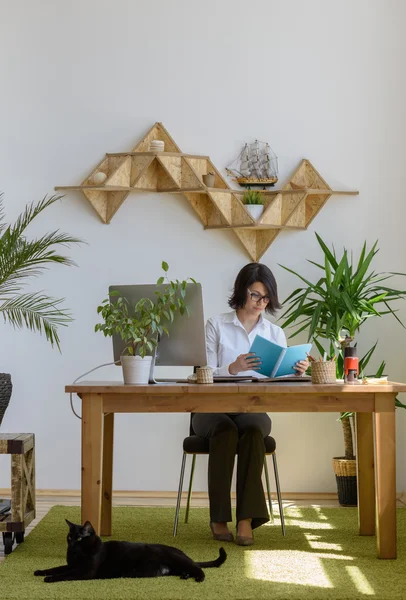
[(21, 446)]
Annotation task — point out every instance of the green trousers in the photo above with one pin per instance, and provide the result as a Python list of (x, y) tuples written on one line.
[(243, 435)]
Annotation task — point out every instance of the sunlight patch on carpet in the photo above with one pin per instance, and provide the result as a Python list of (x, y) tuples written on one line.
[(359, 580), (286, 567), (316, 544)]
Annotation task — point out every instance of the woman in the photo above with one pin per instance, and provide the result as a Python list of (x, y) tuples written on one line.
[(228, 338)]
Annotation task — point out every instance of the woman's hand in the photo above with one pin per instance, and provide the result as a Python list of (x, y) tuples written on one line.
[(301, 367), (245, 362)]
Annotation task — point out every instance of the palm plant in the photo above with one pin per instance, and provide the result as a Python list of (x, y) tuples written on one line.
[(342, 299), (335, 307), (21, 259)]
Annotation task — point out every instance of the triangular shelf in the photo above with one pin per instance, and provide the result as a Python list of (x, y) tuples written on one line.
[(218, 207)]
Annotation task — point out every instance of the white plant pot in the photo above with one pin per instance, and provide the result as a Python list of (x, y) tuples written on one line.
[(255, 210), (136, 369)]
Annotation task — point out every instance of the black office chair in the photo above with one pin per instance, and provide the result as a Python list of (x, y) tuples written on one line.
[(194, 444)]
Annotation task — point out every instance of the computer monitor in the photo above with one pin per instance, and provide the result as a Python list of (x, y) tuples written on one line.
[(186, 344)]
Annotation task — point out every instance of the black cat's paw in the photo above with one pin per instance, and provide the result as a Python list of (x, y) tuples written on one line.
[(49, 579), (185, 576), (38, 573), (199, 578)]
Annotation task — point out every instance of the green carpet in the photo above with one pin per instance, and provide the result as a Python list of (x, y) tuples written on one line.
[(321, 557)]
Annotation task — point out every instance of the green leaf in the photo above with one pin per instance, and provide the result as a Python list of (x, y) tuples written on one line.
[(160, 281), (328, 254), (165, 266), (381, 369), (319, 347), (366, 358)]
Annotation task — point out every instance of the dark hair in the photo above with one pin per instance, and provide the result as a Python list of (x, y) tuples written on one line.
[(246, 277)]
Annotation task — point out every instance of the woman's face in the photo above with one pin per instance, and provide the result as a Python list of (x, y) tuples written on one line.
[(257, 298)]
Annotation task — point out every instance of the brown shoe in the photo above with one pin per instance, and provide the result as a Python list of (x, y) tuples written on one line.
[(222, 537), (242, 540)]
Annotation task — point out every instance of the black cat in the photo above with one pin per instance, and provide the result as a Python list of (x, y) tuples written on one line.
[(90, 558)]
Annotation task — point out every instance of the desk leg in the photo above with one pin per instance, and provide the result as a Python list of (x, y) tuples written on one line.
[(107, 480), (92, 449), (365, 473), (385, 474)]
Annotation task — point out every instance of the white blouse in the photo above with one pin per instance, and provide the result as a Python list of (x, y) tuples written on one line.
[(226, 338)]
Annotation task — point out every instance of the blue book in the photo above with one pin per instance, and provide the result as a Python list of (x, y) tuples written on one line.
[(278, 361)]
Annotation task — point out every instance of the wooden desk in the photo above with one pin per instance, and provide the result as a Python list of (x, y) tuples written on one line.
[(375, 426)]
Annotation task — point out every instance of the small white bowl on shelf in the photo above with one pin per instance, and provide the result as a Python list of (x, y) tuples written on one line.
[(99, 178)]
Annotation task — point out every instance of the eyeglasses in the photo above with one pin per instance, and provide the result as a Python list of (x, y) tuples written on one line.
[(256, 297)]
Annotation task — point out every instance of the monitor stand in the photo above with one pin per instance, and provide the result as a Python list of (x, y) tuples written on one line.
[(151, 378)]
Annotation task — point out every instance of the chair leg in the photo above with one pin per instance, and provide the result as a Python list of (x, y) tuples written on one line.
[(189, 494), (268, 488), (182, 472), (278, 491)]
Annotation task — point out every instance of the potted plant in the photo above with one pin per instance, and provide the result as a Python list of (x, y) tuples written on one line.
[(209, 179), (333, 309), (254, 203), (141, 326), (20, 259)]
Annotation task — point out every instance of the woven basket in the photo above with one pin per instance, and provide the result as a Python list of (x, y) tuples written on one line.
[(324, 372), (5, 393), (345, 470), (204, 375), (345, 467)]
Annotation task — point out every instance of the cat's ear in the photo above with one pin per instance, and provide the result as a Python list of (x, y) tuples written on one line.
[(88, 528), (69, 524)]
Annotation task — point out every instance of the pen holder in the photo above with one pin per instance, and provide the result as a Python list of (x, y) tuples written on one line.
[(323, 372), (204, 375)]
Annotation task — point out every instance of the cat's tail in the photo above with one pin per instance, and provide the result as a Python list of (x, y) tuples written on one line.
[(214, 563)]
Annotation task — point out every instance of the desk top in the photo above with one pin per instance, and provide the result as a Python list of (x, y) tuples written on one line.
[(170, 388)]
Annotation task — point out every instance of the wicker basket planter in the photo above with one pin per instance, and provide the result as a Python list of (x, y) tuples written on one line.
[(204, 375), (5, 393), (345, 470), (323, 372)]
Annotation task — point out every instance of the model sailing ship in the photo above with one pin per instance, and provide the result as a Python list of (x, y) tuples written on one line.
[(256, 165)]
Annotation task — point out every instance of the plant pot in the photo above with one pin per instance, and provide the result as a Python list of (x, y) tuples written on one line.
[(5, 393), (323, 371), (255, 210), (345, 470), (136, 369), (209, 180)]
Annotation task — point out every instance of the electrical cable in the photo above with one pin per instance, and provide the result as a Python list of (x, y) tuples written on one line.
[(83, 375)]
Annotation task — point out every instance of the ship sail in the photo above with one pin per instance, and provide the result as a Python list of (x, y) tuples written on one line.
[(256, 164)]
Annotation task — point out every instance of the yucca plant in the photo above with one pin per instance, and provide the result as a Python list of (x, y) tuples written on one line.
[(342, 299), (21, 259), (334, 308)]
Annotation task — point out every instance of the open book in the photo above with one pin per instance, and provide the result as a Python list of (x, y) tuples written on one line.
[(278, 361)]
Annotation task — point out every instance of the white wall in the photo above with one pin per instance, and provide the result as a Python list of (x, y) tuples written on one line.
[(322, 80)]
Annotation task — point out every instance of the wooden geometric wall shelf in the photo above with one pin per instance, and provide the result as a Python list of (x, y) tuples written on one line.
[(219, 207)]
